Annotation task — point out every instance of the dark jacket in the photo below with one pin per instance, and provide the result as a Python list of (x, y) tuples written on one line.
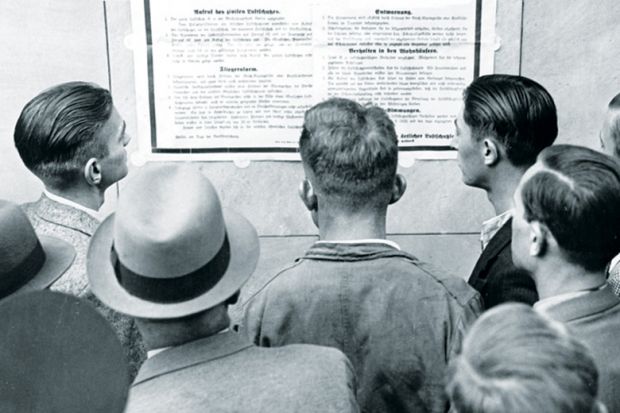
[(398, 321), (496, 277)]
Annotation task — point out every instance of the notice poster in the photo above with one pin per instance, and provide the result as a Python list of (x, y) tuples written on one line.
[(232, 79)]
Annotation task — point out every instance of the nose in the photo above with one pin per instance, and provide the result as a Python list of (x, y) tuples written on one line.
[(126, 139)]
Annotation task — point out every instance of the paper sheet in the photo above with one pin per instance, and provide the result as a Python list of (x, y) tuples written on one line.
[(223, 80)]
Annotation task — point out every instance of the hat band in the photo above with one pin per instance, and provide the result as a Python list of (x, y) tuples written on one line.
[(23, 273), (177, 289)]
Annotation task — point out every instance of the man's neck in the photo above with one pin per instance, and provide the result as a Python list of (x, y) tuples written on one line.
[(91, 198), (558, 277), (338, 226), (501, 190), (171, 333)]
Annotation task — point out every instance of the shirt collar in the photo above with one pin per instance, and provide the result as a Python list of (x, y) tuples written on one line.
[(363, 241), (544, 305), (156, 351), (61, 200), (491, 226), (615, 262)]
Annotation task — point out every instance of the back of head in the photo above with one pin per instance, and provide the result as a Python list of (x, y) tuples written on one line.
[(515, 361), (575, 192), (516, 111), (58, 354), (352, 151), (55, 132)]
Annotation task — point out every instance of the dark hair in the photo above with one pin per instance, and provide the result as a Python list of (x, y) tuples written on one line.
[(518, 112), (576, 194), (55, 132), (614, 125), (514, 360), (352, 150)]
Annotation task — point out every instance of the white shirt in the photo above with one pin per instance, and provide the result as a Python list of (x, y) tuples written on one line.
[(491, 226), (93, 213), (363, 241)]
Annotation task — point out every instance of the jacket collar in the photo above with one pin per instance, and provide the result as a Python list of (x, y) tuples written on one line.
[(190, 354), (595, 302), (65, 215), (499, 241), (363, 250)]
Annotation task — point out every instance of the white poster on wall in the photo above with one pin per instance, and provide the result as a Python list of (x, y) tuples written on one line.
[(231, 79)]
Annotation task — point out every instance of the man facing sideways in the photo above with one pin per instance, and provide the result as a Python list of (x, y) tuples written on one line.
[(566, 229), (610, 142), (397, 320), (73, 139), (171, 258), (504, 123)]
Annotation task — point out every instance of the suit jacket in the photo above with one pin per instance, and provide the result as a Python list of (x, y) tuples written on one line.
[(496, 277), (395, 318), (594, 318), (76, 227), (226, 373)]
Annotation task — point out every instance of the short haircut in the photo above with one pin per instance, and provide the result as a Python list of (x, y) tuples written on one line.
[(518, 112), (576, 194), (614, 125), (352, 150), (514, 360), (55, 132)]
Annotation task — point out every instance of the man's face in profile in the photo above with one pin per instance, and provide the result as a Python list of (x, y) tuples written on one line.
[(114, 136), (607, 141), (521, 228), (469, 153)]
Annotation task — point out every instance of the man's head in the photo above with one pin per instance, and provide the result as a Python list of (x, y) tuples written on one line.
[(504, 119), (513, 360), (610, 132), (567, 206), (171, 253), (71, 134), (350, 156)]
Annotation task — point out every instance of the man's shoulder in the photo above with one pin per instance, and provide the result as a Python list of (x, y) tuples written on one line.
[(295, 375), (398, 268), (50, 217)]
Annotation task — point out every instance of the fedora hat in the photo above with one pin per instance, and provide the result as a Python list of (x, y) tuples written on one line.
[(58, 354), (170, 250), (28, 262)]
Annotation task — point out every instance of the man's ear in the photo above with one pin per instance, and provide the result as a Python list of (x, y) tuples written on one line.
[(92, 172), (307, 195), (539, 239), (491, 152), (399, 188)]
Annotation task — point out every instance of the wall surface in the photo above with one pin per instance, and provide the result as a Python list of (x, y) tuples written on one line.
[(565, 45), (573, 49)]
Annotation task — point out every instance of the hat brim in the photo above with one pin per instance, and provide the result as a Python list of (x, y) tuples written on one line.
[(59, 256), (244, 251)]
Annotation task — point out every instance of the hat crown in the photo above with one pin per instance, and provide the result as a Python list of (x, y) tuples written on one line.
[(169, 222), (17, 237)]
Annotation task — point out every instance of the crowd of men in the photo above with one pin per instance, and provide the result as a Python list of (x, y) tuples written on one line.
[(356, 323)]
